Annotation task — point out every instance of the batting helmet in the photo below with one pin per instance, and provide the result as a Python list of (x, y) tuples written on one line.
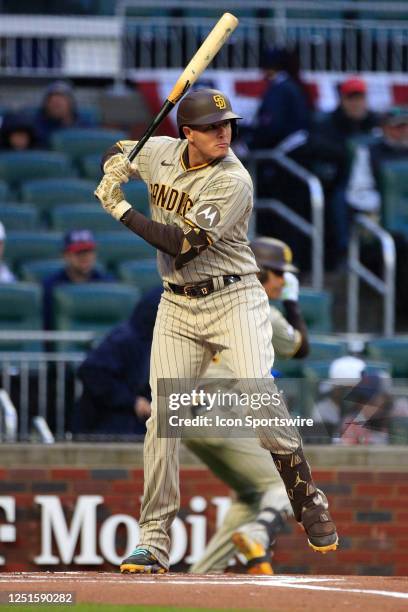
[(205, 106), (274, 254)]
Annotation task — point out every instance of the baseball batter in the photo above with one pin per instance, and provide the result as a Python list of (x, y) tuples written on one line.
[(201, 199)]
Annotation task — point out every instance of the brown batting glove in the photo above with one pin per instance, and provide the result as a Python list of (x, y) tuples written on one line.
[(118, 167), (111, 197)]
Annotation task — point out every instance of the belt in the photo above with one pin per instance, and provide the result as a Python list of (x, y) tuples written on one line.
[(204, 288)]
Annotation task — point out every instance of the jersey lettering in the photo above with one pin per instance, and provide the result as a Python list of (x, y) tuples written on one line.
[(170, 199)]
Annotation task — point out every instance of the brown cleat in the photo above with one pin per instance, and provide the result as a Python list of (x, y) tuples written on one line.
[(258, 562), (318, 524)]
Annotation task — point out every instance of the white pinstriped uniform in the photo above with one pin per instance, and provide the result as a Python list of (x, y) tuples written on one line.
[(235, 319)]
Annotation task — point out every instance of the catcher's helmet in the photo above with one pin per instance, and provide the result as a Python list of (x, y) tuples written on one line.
[(205, 106), (272, 253)]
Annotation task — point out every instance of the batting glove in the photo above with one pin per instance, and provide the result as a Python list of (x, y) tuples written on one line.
[(111, 197), (118, 167), (290, 289)]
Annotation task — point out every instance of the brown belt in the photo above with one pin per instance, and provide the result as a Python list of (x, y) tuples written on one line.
[(202, 289)]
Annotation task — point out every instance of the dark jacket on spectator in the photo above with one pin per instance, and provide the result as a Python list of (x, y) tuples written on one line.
[(115, 373), (284, 110)]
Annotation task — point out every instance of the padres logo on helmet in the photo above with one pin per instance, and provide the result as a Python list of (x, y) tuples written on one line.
[(220, 101)]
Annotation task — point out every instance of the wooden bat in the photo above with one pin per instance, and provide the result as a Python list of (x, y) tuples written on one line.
[(205, 54)]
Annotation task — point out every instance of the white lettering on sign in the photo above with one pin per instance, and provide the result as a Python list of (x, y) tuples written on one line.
[(8, 532)]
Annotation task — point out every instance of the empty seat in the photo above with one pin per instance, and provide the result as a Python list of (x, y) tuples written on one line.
[(93, 306), (20, 309), (24, 246), (46, 193), (90, 216), (316, 309), (19, 166), (117, 247), (143, 273), (326, 347), (36, 271), (90, 167), (78, 142), (136, 194), (17, 216), (4, 191), (392, 350)]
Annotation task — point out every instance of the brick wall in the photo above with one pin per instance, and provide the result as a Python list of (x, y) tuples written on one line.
[(370, 508)]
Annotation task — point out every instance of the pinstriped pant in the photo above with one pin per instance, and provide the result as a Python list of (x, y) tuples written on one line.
[(187, 333)]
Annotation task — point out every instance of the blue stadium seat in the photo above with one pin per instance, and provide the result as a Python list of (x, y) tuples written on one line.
[(47, 193), (65, 218), (117, 247), (19, 166), (23, 246), (78, 142), (142, 273), (136, 194), (4, 191), (16, 216)]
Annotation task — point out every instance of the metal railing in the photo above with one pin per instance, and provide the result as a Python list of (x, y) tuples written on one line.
[(313, 229), (385, 285), (328, 36)]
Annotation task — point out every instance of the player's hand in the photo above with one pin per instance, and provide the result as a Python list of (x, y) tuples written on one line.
[(290, 289), (142, 408), (111, 197), (119, 167)]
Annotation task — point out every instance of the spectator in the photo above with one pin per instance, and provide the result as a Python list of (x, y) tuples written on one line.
[(58, 111), (369, 420), (284, 106), (344, 374), (363, 192), (80, 259), (116, 397), (6, 276), (329, 146), (17, 133)]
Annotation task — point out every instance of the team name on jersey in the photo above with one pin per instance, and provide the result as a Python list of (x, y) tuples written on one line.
[(165, 196)]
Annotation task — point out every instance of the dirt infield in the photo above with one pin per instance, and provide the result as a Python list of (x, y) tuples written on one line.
[(273, 593)]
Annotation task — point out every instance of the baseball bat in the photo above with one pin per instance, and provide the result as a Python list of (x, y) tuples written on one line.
[(205, 54)]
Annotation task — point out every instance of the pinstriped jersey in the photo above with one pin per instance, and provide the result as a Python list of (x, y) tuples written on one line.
[(216, 197)]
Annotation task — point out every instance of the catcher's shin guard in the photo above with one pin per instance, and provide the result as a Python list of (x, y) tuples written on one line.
[(141, 561), (310, 505)]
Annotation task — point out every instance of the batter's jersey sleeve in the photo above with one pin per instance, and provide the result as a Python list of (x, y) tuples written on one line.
[(286, 339), (221, 206)]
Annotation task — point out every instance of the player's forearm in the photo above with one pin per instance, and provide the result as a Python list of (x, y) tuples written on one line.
[(294, 316), (166, 238)]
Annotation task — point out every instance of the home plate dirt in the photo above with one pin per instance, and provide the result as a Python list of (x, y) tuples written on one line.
[(273, 593)]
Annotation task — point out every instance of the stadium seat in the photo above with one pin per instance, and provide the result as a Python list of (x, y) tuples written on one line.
[(117, 247), (326, 347), (24, 246), (136, 194), (394, 192), (142, 273), (36, 271), (19, 166), (92, 216), (392, 350), (17, 216), (93, 306), (90, 167), (47, 193), (20, 309), (316, 310), (78, 142), (4, 191)]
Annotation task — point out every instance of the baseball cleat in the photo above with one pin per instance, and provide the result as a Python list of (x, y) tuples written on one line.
[(258, 561), (318, 524), (141, 561)]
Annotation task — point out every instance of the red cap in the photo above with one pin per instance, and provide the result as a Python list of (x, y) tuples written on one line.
[(353, 86), (79, 240)]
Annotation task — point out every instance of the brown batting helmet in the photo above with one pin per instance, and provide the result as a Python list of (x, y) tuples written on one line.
[(273, 254), (204, 106)]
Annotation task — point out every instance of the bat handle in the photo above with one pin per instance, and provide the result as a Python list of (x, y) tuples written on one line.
[(164, 111)]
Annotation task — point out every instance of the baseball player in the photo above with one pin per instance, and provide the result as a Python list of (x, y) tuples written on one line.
[(201, 199), (261, 505)]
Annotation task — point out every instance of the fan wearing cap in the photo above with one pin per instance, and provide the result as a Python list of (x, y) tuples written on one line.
[(79, 252), (6, 276)]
